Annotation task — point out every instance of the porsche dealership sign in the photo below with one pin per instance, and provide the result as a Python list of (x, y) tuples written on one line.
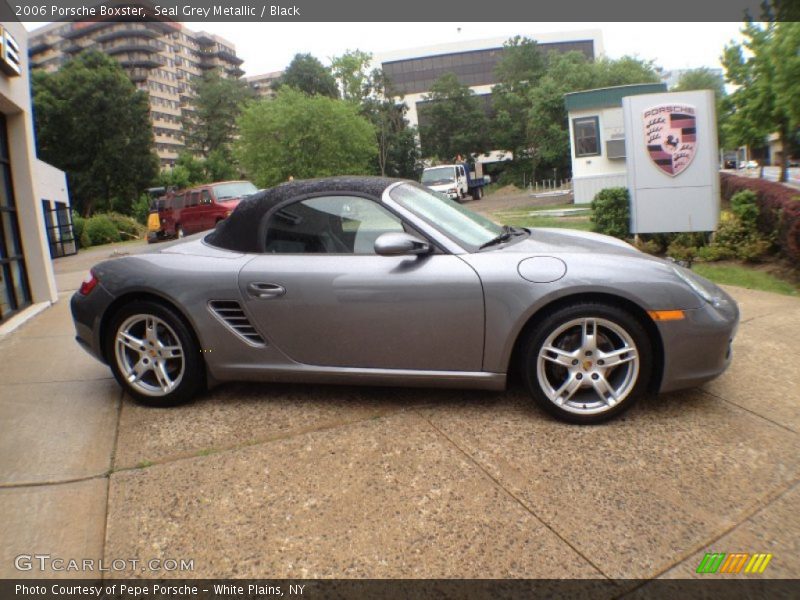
[(671, 136), (672, 161)]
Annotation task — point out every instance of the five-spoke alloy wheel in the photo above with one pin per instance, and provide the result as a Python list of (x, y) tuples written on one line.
[(153, 355), (587, 362)]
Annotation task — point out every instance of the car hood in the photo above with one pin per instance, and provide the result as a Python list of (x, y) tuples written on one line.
[(557, 241)]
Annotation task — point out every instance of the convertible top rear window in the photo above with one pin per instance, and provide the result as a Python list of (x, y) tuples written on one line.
[(239, 232)]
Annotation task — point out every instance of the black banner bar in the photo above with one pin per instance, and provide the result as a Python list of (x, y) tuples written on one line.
[(399, 11), (405, 589)]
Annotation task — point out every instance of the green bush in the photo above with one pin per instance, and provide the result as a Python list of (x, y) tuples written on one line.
[(744, 204), (681, 252), (78, 226), (741, 237), (714, 252), (650, 246), (100, 229), (128, 227), (141, 209), (779, 211), (612, 212)]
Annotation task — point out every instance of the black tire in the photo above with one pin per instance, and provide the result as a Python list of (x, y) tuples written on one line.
[(170, 328), (613, 329)]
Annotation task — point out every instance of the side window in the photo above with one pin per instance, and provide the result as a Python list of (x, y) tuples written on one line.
[(329, 224), (205, 197), (195, 200), (586, 136)]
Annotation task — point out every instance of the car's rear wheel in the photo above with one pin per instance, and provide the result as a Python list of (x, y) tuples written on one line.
[(587, 362), (153, 355)]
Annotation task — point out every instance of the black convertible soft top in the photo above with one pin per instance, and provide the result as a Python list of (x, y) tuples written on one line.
[(239, 232)]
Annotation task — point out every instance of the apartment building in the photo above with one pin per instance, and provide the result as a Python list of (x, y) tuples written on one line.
[(160, 57), (262, 84)]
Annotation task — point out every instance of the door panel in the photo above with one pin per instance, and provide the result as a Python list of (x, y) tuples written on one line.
[(369, 311)]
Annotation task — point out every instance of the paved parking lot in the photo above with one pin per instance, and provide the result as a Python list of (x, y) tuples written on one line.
[(325, 481)]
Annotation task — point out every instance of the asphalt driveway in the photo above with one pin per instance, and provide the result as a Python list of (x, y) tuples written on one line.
[(303, 481)]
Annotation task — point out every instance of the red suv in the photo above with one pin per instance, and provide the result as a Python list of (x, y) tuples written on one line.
[(196, 209)]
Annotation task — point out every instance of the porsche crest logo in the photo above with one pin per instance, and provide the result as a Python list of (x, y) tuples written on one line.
[(671, 136)]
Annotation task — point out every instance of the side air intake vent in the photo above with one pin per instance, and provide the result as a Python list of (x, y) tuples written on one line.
[(230, 312)]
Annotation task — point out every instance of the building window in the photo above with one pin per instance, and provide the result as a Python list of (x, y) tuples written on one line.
[(586, 133), (14, 289)]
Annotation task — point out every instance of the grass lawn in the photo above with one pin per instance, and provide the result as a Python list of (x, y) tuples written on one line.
[(524, 210), (522, 218), (746, 277), (562, 222)]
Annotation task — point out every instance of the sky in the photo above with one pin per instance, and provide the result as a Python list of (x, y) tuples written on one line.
[(270, 46)]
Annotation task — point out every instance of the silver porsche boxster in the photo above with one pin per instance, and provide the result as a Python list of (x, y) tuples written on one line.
[(363, 280)]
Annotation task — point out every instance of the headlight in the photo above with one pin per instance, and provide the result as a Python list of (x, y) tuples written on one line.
[(709, 293), (452, 191)]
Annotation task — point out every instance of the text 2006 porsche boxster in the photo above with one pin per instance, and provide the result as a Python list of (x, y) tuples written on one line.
[(380, 281)]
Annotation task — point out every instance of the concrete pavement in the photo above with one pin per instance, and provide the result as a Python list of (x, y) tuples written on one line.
[(323, 481)]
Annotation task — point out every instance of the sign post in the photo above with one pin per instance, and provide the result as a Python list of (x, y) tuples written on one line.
[(672, 168)]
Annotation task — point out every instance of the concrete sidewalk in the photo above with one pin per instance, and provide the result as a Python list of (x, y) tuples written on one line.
[(324, 481)]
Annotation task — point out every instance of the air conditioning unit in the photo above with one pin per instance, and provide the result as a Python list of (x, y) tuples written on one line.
[(615, 149)]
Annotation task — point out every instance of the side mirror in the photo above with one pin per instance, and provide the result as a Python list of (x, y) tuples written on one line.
[(398, 244)]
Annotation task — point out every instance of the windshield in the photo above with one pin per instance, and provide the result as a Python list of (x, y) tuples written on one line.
[(458, 223), (438, 175), (235, 189)]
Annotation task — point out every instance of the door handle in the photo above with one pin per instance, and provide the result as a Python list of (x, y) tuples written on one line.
[(265, 290)]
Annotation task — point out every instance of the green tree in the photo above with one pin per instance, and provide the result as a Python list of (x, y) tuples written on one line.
[(303, 136), (398, 149), (217, 101), (764, 101), (455, 122), (351, 71), (547, 125), (93, 123), (701, 79), (706, 79), (370, 90), (188, 171), (308, 75), (518, 71)]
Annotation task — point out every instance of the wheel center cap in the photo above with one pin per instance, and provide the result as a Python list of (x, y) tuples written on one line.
[(153, 353), (587, 364)]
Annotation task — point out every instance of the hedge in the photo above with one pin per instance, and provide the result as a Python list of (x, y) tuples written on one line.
[(611, 212), (779, 210)]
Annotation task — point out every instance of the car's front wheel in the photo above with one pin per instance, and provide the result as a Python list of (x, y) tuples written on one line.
[(587, 362), (153, 355)]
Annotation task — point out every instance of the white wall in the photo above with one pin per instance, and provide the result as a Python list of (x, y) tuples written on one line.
[(51, 183), (590, 174), (15, 103), (586, 188)]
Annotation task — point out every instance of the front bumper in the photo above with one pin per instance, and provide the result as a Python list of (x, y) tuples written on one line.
[(697, 349)]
